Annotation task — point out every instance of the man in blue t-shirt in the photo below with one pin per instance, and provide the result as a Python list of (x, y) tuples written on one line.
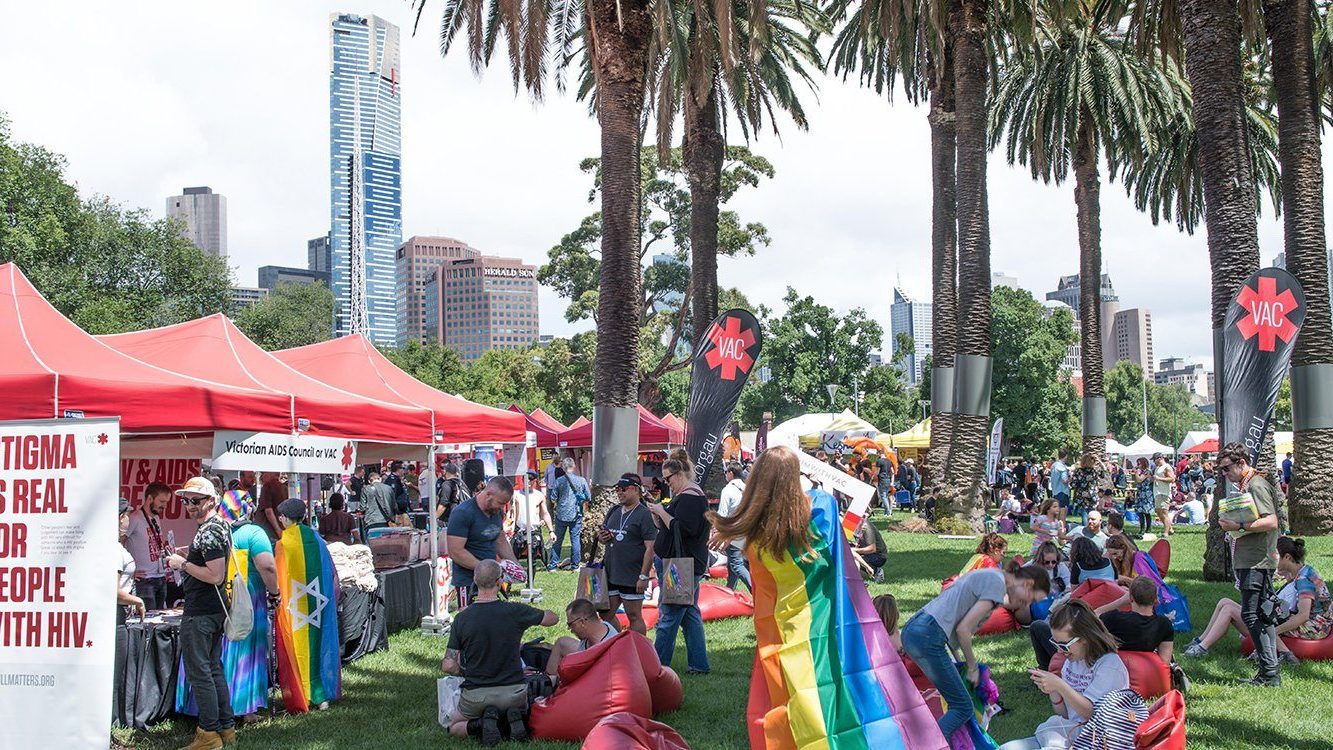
[(1060, 479), (476, 533)]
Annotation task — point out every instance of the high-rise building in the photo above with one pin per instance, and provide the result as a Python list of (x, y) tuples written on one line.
[(1133, 340), (245, 296), (318, 257), (271, 276), (365, 174), (1175, 370), (204, 213), (1280, 260), (416, 260), (481, 303), (1000, 278), (912, 318)]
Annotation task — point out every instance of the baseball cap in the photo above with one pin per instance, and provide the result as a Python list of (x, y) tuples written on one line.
[(198, 486), (629, 479)]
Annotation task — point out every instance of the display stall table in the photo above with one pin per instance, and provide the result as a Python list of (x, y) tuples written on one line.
[(144, 689), (361, 620), (406, 593)]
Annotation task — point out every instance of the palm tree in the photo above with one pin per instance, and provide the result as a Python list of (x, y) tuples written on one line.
[(1082, 94), (1291, 44)]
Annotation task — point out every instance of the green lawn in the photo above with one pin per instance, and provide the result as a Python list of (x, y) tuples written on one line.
[(390, 696)]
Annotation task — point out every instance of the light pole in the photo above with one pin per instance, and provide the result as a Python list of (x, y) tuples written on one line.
[(832, 392), (925, 408), (856, 395)]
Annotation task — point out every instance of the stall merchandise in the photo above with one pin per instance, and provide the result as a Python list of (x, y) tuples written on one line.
[(145, 674)]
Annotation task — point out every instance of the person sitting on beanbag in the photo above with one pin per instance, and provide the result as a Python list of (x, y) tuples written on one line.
[(582, 620), (1091, 670)]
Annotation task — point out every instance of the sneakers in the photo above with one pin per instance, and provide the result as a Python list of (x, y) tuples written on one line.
[(490, 727), (879, 576), (1196, 648), (1254, 656), (1258, 681), (518, 731), (1286, 657)]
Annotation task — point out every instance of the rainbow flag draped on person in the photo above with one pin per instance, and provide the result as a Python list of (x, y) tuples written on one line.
[(826, 675), (309, 653)]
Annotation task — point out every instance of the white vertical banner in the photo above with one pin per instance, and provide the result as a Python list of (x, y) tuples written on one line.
[(993, 454), (58, 553)]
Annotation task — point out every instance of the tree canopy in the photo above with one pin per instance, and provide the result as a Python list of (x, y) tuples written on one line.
[(1170, 413), (1035, 397), (291, 315)]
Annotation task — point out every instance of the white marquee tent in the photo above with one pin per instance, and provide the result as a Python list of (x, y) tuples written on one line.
[(1144, 447)]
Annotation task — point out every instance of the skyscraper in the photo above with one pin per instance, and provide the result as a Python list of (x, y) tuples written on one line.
[(317, 254), (1133, 340), (205, 215), (913, 319), (480, 303), (365, 174), (417, 259)]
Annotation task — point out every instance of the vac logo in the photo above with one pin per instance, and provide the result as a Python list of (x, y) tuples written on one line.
[(1270, 313), (731, 348)]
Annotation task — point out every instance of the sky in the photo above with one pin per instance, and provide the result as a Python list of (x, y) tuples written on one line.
[(147, 97)]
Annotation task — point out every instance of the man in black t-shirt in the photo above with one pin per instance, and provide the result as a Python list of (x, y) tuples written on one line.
[(1141, 629), (869, 544), (483, 648), (204, 566), (686, 515), (628, 532)]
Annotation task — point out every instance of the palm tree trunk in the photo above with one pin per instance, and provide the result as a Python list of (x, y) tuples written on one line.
[(1212, 52), (944, 259), (1291, 40), (1087, 198), (619, 33), (704, 149), (972, 365)]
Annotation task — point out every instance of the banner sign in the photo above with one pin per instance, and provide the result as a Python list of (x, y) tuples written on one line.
[(834, 441), (137, 473), (58, 549), (761, 437), (836, 479), (722, 363), (295, 454), (993, 454), (1257, 340)]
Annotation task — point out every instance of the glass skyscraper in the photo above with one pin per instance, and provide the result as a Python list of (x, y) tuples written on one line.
[(364, 142)]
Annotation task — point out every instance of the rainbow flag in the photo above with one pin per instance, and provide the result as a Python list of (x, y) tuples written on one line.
[(309, 653), (826, 675)]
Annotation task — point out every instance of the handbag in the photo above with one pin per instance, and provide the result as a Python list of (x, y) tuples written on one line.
[(1171, 601), (448, 691), (592, 582), (678, 581)]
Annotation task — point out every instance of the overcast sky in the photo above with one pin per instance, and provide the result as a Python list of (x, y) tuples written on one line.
[(147, 97)]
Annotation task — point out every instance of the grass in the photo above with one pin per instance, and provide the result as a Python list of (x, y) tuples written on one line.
[(390, 696)]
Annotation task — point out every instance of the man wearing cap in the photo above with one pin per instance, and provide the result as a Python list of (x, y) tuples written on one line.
[(1163, 479), (627, 533), (204, 568)]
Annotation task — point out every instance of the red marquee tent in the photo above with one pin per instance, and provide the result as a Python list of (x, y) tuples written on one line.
[(352, 363), (580, 422), (214, 347), (1207, 446), (652, 432), (673, 421), (547, 428), (50, 367)]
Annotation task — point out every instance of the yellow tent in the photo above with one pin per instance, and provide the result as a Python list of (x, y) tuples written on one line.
[(916, 437)]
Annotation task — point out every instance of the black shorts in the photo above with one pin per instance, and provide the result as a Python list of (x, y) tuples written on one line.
[(626, 593)]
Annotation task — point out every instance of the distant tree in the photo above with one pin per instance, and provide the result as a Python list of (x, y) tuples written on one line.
[(433, 364), (291, 315), (1029, 390), (1170, 411)]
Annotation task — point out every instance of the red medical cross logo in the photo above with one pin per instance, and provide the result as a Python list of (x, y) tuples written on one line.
[(730, 348), (1268, 314)]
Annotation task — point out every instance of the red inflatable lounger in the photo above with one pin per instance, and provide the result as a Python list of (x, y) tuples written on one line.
[(1305, 649), (629, 732), (1164, 729), (1160, 552), (1149, 676), (719, 602), (1097, 593)]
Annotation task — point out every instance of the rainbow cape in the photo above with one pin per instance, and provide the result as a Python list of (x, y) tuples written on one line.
[(826, 676), (972, 735), (309, 653)]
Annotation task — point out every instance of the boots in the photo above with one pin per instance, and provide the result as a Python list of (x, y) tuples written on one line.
[(228, 736), (204, 740)]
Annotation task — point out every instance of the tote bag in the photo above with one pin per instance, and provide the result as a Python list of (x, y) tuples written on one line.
[(677, 575)]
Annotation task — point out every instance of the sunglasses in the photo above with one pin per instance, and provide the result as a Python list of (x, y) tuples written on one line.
[(1225, 467), (570, 623), (1063, 646), (195, 500), (1049, 563), (667, 477)]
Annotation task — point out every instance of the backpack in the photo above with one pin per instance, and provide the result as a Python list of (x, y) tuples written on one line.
[(240, 615)]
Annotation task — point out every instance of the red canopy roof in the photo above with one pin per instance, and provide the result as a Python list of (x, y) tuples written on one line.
[(1207, 446), (214, 347), (547, 428), (671, 420), (652, 431), (353, 364), (49, 365), (580, 422)]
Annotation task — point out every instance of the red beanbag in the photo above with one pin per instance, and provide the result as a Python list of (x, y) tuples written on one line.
[(719, 602), (1149, 676), (663, 682), (649, 616), (1164, 729), (606, 679), (1304, 648), (1000, 620), (718, 571), (1097, 592), (626, 731), (1160, 552)]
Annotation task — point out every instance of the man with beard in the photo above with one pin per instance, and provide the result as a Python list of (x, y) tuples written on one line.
[(147, 542)]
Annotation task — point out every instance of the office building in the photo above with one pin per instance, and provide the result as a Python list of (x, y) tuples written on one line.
[(1067, 291), (1000, 278), (1175, 371), (481, 303), (271, 276), (415, 261), (1280, 261), (365, 174), (204, 214), (245, 296), (912, 318), (1132, 333), (318, 257)]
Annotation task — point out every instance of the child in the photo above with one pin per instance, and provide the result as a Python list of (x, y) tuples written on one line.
[(1047, 525), (887, 608), (1092, 669)]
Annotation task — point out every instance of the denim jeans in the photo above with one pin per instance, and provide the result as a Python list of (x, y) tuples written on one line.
[(153, 591), (738, 568), (670, 618), (1255, 587), (885, 492), (926, 643), (201, 651), (575, 528)]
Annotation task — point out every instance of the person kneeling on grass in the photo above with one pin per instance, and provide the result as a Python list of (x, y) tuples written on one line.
[(946, 624), (1092, 669), (582, 620), (483, 647)]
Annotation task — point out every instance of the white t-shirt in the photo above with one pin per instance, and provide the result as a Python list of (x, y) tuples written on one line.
[(1161, 485), (527, 509), (126, 571), (730, 502), (137, 539), (1101, 677)]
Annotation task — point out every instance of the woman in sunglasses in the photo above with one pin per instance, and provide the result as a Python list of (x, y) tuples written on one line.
[(1048, 558), (1092, 669)]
